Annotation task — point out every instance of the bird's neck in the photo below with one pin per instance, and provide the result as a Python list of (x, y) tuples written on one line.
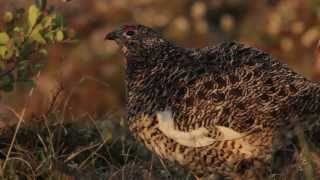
[(145, 58), (148, 81)]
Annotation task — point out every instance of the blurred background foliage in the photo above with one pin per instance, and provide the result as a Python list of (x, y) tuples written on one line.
[(91, 71)]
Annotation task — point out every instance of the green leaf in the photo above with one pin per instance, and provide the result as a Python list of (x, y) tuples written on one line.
[(59, 36), (33, 15), (20, 12), (59, 21), (17, 29), (6, 53), (7, 88), (2, 66), (8, 17), (38, 66), (47, 21), (4, 38), (36, 35), (9, 53), (49, 37), (41, 4), (43, 52), (6, 83), (3, 51)]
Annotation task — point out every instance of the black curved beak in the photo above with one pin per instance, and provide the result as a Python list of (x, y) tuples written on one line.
[(112, 35)]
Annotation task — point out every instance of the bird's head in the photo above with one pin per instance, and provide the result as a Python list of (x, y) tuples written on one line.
[(135, 39)]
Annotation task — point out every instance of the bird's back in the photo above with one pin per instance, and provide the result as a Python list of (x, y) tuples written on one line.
[(239, 87)]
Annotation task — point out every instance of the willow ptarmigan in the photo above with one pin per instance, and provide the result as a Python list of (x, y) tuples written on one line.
[(216, 110)]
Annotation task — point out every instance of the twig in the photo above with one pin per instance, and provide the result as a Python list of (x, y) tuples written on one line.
[(54, 99), (14, 137), (10, 70), (93, 153), (151, 166)]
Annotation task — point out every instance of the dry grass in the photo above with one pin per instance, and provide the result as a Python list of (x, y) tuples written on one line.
[(48, 150)]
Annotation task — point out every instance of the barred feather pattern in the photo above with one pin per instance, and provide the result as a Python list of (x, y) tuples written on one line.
[(230, 85)]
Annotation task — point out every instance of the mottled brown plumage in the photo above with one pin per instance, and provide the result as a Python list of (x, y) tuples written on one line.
[(227, 88)]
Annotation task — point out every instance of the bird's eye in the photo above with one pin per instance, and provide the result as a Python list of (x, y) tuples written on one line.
[(130, 33)]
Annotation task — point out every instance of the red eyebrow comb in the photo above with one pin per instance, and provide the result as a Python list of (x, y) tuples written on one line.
[(127, 28)]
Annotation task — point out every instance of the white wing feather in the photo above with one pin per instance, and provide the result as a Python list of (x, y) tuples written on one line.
[(195, 138)]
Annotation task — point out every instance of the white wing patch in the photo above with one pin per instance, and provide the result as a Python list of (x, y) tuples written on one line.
[(195, 138)]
